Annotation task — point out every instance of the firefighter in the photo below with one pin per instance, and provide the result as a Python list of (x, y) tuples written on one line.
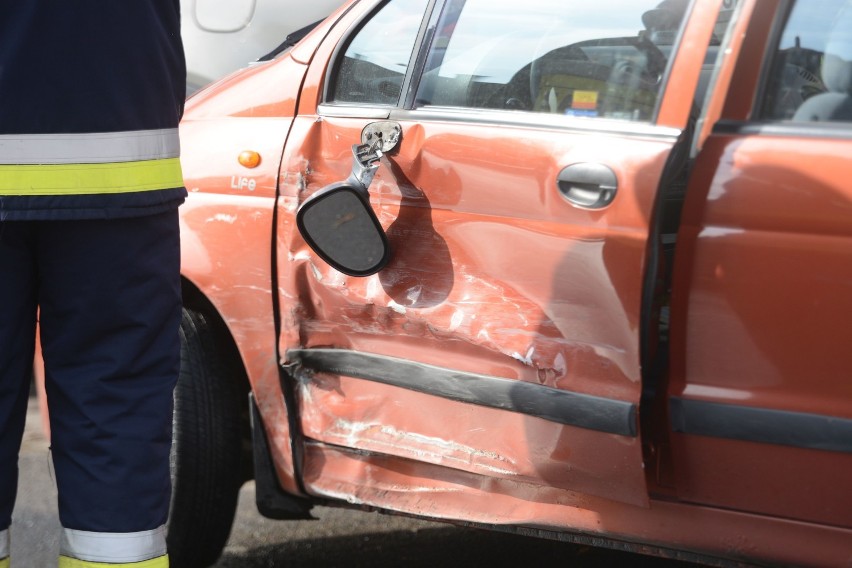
[(91, 93)]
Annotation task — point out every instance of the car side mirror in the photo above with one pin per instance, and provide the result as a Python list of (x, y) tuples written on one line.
[(340, 226)]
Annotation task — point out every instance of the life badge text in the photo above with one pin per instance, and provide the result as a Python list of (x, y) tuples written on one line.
[(240, 182)]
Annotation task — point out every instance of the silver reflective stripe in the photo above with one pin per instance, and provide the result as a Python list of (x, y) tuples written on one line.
[(4, 544), (113, 547), (94, 148)]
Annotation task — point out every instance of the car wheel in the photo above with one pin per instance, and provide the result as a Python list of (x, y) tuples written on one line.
[(206, 447)]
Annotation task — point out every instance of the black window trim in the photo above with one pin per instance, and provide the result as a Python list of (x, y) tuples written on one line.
[(713, 85), (677, 46), (784, 128), (411, 82), (337, 57)]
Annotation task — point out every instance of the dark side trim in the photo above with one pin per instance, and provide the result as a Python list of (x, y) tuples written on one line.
[(563, 407), (832, 130), (763, 425)]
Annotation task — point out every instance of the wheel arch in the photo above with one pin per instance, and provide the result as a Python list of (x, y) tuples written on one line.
[(194, 299), (272, 500)]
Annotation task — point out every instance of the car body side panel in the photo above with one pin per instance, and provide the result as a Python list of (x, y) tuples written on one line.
[(404, 485), (234, 233), (765, 321), (227, 223)]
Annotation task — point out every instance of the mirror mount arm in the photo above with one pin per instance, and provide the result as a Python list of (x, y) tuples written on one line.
[(339, 223), (365, 161)]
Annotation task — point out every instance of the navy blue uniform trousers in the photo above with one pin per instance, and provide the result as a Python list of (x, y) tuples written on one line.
[(108, 295)]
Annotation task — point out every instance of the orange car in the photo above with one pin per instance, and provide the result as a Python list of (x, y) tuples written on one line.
[(575, 269)]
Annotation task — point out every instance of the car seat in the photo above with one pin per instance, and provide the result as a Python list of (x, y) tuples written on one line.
[(836, 104)]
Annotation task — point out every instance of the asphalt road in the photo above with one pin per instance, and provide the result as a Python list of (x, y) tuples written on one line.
[(340, 537)]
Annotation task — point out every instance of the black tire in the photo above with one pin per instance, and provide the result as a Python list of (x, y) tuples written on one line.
[(206, 448)]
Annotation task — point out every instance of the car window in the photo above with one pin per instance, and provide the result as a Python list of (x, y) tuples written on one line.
[(376, 59), (591, 59), (811, 73)]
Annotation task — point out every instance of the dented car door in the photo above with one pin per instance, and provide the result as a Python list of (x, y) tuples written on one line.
[(501, 346)]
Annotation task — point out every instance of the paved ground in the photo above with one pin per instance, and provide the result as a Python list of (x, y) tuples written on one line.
[(340, 537), (35, 528)]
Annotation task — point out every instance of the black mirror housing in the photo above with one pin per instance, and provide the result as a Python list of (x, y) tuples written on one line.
[(339, 224)]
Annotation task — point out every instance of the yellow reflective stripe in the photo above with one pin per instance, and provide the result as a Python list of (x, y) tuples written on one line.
[(4, 563), (67, 562), (79, 179)]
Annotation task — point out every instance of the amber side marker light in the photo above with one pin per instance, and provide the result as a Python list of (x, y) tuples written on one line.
[(249, 159)]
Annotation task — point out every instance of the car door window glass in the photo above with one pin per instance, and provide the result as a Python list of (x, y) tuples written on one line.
[(376, 59), (811, 73), (592, 59)]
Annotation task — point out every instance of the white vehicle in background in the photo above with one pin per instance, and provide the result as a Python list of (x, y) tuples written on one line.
[(221, 36)]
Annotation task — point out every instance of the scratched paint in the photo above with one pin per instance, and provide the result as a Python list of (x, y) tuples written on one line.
[(561, 314), (487, 318), (387, 439), (423, 489), (505, 287), (386, 420)]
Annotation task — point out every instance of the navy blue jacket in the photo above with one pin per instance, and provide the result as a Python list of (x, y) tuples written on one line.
[(71, 72)]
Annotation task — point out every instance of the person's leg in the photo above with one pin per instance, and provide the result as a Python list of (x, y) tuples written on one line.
[(110, 313), (17, 342)]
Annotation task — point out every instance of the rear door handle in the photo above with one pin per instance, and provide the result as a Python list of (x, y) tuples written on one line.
[(588, 185)]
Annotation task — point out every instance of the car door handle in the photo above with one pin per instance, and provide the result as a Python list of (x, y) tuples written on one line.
[(588, 185)]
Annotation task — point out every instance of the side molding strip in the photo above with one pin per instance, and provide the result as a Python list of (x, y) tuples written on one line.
[(797, 429), (564, 407)]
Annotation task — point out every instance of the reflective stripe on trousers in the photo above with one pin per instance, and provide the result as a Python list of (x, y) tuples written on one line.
[(80, 549), (94, 163)]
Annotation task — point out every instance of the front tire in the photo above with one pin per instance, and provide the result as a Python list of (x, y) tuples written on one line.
[(206, 448)]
